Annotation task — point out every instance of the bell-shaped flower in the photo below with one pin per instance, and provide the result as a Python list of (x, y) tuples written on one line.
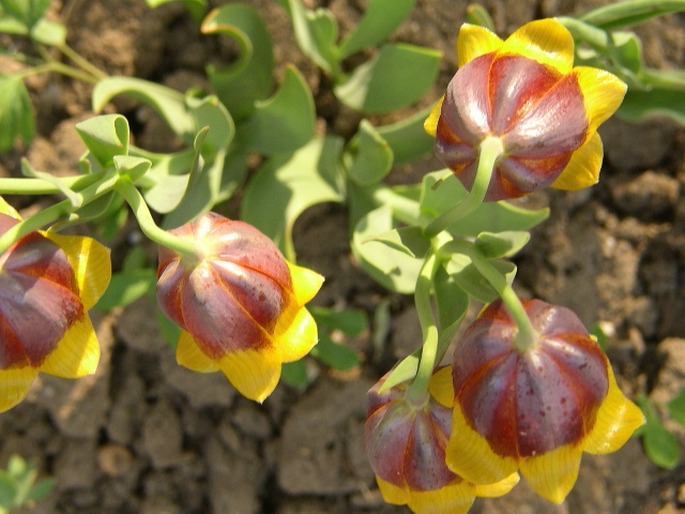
[(239, 302), (405, 444), (47, 284), (534, 410), (526, 92)]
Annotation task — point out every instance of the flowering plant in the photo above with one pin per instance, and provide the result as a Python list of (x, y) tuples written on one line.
[(524, 388)]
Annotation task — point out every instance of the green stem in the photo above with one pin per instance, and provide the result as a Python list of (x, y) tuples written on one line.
[(526, 335), (418, 392), (147, 224), (82, 63), (490, 150), (50, 214), (37, 186), (58, 67)]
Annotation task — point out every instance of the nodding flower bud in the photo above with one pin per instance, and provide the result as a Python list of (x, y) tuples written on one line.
[(239, 302), (526, 92), (534, 410), (405, 444), (47, 284)]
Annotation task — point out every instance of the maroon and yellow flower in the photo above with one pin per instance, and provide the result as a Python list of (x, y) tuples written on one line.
[(535, 410), (526, 92), (47, 284), (239, 302), (405, 444)]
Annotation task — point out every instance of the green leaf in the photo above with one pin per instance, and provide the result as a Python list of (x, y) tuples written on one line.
[(501, 244), (212, 144), (368, 156), (467, 277), (661, 446), (408, 240), (16, 113), (676, 407), (286, 121), (441, 190), (196, 8), (295, 374), (167, 180), (168, 103), (380, 19), (286, 185), (105, 136), (393, 269), (41, 489), (316, 33), (452, 303), (407, 139), (8, 490), (250, 77), (28, 12), (639, 105), (335, 355), (350, 322), (405, 370), (126, 287), (396, 77), (476, 14), (133, 167), (169, 330), (630, 12)]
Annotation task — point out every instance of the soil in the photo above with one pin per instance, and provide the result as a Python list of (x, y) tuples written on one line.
[(144, 435)]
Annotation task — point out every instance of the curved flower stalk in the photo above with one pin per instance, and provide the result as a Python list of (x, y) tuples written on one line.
[(525, 92), (405, 444), (47, 284), (538, 409), (239, 302)]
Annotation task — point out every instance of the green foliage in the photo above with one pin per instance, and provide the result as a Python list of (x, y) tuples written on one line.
[(16, 113), (661, 446), (20, 486), (196, 8)]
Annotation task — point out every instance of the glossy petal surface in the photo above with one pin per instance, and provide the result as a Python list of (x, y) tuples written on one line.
[(525, 91), (239, 303), (536, 409)]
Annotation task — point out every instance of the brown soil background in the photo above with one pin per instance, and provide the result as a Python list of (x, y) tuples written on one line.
[(146, 436)]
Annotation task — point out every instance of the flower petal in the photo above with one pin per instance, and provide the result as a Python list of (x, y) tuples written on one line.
[(441, 388), (392, 493), (90, 262), (14, 384), (616, 421), (188, 354), (584, 166), (451, 499), (602, 94), (474, 41), (306, 283), (546, 41), (298, 339), (77, 354), (431, 123), (498, 488), (253, 373), (553, 474), (469, 455)]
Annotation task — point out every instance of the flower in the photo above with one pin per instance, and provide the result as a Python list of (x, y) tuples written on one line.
[(47, 284), (405, 444), (535, 410), (239, 303), (526, 92)]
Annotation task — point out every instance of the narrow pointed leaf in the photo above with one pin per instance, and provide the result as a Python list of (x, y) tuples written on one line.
[(285, 122), (316, 33), (286, 185), (105, 136), (368, 156), (250, 78), (396, 77), (380, 19), (16, 113)]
